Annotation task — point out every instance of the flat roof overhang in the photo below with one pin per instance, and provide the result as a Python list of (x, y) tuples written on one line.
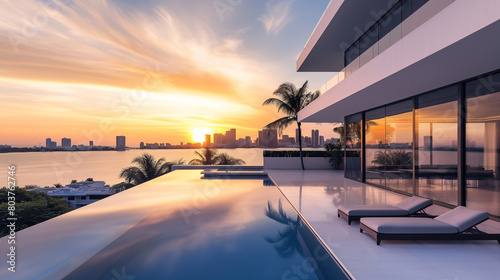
[(399, 73), (343, 22)]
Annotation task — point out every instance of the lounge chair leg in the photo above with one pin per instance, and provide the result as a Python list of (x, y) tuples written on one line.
[(378, 241), (361, 230), (338, 215), (498, 242)]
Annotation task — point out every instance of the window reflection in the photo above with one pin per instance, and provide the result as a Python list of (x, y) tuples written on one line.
[(375, 146), (483, 144), (437, 157), (353, 147), (399, 151)]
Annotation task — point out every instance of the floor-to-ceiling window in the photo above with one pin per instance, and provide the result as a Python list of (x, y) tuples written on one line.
[(483, 144), (437, 137), (413, 145), (353, 147), (375, 144), (399, 148)]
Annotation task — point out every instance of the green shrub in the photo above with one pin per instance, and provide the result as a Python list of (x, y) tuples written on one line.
[(31, 208)]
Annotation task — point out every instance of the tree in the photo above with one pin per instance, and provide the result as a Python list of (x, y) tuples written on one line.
[(353, 133), (90, 180), (290, 101), (207, 156), (226, 159), (73, 181), (32, 207), (336, 153), (210, 156), (147, 169)]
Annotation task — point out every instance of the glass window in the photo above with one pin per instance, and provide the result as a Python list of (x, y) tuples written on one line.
[(353, 147), (390, 21), (399, 148), (368, 39), (417, 4), (352, 53), (375, 146), (406, 9), (483, 144), (437, 157)]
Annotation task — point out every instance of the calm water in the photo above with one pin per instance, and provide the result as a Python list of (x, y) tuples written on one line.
[(177, 227), (49, 168)]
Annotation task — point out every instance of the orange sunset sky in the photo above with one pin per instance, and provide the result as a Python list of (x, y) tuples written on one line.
[(154, 71)]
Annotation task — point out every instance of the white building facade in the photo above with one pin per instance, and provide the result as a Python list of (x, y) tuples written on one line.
[(417, 85)]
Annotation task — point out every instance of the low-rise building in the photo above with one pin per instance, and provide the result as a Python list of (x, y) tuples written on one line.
[(79, 194)]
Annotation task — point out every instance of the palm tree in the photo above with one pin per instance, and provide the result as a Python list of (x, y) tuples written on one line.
[(206, 157), (226, 159), (286, 242), (290, 101), (210, 156), (147, 169)]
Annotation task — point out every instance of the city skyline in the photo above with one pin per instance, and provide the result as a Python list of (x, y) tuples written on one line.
[(54, 144)]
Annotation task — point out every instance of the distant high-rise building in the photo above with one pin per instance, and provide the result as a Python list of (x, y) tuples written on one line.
[(248, 142), (218, 139), (141, 145), (53, 145), (308, 140), (91, 143), (322, 141), (230, 138), (315, 138), (120, 143), (66, 143), (207, 140), (297, 138), (268, 138), (48, 143)]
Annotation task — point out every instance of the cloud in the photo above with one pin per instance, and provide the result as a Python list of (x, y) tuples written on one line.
[(277, 16), (99, 42)]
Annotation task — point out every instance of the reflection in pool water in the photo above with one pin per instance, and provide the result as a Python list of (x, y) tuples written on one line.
[(286, 240), (180, 227)]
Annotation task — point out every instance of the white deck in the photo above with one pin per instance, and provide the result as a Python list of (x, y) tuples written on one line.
[(317, 195)]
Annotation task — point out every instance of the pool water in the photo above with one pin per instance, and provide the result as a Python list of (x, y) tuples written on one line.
[(201, 229)]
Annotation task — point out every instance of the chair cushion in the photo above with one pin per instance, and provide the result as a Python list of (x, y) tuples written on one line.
[(463, 217), (414, 204), (372, 210), (406, 225)]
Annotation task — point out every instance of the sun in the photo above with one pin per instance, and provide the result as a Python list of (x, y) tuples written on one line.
[(199, 134)]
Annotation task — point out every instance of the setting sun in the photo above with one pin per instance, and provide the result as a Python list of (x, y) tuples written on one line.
[(199, 134)]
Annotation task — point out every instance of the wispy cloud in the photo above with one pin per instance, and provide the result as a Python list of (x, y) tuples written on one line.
[(277, 16), (98, 42)]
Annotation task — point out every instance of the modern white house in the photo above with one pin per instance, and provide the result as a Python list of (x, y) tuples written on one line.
[(417, 84), (79, 194)]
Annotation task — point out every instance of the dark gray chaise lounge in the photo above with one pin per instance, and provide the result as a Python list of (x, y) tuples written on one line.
[(412, 206), (457, 224)]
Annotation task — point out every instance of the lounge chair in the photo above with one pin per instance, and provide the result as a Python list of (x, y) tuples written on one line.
[(457, 224), (412, 206)]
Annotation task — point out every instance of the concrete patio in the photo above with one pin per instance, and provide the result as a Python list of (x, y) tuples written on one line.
[(317, 194)]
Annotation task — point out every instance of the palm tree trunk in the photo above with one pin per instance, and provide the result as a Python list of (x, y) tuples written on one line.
[(300, 146)]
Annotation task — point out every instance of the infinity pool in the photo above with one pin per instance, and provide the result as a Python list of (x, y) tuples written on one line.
[(179, 227)]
